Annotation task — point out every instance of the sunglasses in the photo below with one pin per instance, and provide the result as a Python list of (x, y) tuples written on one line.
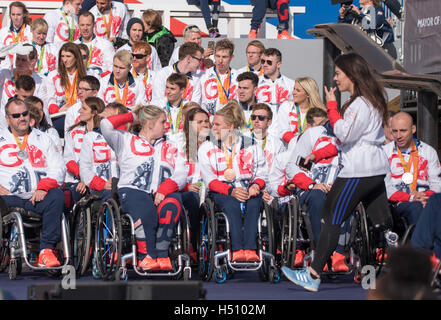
[(270, 63), (138, 55), (18, 115), (258, 116)]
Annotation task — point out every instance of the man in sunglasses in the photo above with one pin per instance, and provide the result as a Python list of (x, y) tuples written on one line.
[(101, 50), (24, 65), (141, 52), (135, 32), (31, 173), (274, 88), (190, 57)]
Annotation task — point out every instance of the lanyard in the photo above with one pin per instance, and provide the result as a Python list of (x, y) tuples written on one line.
[(252, 70), (413, 159), (229, 155), (223, 94), (125, 92), (71, 29), (71, 90), (178, 120), (19, 36), (40, 57), (144, 79), (22, 145), (299, 120), (108, 25)]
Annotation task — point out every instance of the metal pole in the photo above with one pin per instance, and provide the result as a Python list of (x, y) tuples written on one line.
[(329, 55), (427, 118)]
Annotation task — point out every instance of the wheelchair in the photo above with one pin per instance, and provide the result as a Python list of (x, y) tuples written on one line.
[(20, 232), (115, 245), (215, 254), (83, 222)]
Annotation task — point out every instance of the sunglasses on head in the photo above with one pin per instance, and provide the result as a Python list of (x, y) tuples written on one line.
[(270, 63), (258, 116), (17, 115), (138, 55)]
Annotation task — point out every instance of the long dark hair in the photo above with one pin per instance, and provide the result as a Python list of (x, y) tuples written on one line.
[(75, 50), (189, 116), (365, 83)]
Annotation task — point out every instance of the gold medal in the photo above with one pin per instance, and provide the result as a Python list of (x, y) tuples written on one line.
[(230, 175)]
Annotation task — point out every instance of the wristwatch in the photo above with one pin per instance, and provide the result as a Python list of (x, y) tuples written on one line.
[(311, 186)]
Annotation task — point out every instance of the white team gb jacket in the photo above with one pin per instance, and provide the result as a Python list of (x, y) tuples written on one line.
[(43, 169), (249, 165), (143, 166)]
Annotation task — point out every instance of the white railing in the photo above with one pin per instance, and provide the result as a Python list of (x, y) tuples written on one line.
[(234, 14)]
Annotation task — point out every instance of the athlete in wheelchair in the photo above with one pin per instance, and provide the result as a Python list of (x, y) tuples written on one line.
[(31, 171), (234, 171), (97, 166), (151, 173)]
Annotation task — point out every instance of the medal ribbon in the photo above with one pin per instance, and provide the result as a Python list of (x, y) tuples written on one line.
[(22, 145), (71, 28), (252, 70), (71, 90), (229, 156), (40, 57), (125, 92), (19, 36), (223, 94), (299, 120), (178, 120), (108, 25), (413, 159), (144, 79)]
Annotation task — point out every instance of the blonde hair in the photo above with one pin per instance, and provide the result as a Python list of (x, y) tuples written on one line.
[(124, 56), (39, 24), (147, 113), (310, 86), (233, 114)]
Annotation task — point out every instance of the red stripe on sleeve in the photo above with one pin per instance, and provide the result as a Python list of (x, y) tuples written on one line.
[(167, 187), (219, 187), (333, 113), (97, 183), (120, 119), (326, 152), (302, 181), (399, 196), (47, 184), (73, 168)]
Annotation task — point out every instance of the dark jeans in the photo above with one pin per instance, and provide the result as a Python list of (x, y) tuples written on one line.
[(231, 207), (427, 232), (410, 211), (51, 209)]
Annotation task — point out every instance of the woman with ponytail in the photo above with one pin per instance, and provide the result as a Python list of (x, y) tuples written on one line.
[(234, 171), (358, 127), (151, 173)]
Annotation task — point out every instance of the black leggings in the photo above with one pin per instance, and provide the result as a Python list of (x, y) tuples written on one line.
[(341, 201)]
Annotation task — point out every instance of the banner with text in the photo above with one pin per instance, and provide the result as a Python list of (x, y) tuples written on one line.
[(422, 36)]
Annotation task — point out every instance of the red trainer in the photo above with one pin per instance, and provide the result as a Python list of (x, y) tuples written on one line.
[(48, 259), (339, 262), (149, 264), (434, 261), (251, 256), (165, 264), (284, 35), (239, 256), (381, 252), (252, 34), (300, 254)]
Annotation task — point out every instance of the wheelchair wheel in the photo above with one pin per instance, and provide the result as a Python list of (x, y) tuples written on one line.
[(266, 242), (180, 245), (81, 242), (207, 243), (289, 233), (360, 241), (108, 242)]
